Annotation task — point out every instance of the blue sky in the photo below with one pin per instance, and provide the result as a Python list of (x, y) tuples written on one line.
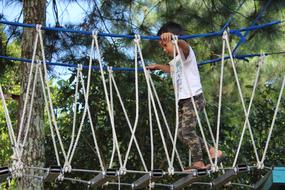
[(71, 13), (68, 12)]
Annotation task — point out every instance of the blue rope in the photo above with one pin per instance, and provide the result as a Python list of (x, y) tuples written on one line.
[(243, 38), (242, 57), (69, 65), (185, 37)]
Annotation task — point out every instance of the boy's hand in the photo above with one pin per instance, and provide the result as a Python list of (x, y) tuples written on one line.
[(152, 67), (166, 37)]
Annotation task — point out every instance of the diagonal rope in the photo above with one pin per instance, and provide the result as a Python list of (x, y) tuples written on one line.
[(48, 91), (241, 98), (147, 76), (74, 114), (30, 111), (137, 107), (273, 121), (28, 88), (165, 122), (11, 133), (49, 118), (127, 118), (216, 143), (91, 125), (112, 113), (260, 62), (95, 37)]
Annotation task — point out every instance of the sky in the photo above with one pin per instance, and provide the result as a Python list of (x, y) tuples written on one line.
[(68, 12)]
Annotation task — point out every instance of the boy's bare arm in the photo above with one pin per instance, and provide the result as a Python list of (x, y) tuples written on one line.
[(184, 47), (162, 67)]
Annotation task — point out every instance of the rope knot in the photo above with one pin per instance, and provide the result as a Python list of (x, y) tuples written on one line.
[(38, 27), (260, 165), (80, 67), (225, 34), (110, 69), (95, 33), (137, 38), (174, 38)]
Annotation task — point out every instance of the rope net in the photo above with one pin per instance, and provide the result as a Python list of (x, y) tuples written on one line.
[(116, 166)]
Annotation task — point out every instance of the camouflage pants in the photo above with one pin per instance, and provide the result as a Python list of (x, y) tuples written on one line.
[(187, 125)]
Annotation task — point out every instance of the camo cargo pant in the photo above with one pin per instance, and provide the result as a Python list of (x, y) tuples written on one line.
[(187, 125)]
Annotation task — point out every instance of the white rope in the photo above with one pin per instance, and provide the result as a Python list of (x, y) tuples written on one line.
[(176, 113), (216, 143), (165, 122), (192, 99), (209, 126), (91, 123), (78, 70), (112, 113), (128, 120), (273, 121), (49, 118), (30, 111), (28, 87), (147, 76), (92, 128), (95, 36), (150, 133), (137, 107), (11, 133), (242, 99), (260, 62), (48, 91)]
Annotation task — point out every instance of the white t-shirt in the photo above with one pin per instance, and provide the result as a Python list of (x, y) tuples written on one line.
[(189, 79)]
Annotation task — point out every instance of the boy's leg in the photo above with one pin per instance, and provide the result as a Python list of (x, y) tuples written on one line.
[(187, 126)]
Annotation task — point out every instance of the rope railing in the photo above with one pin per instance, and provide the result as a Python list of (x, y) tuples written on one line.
[(96, 68), (236, 32)]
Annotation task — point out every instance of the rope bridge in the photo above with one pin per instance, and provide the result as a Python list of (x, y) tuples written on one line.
[(106, 174)]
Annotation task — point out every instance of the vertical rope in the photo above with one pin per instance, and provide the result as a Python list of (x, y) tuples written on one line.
[(151, 132)]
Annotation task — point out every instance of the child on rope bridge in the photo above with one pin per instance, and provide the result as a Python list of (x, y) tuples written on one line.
[(187, 117)]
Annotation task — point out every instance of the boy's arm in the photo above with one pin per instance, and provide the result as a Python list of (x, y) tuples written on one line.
[(184, 47), (162, 67)]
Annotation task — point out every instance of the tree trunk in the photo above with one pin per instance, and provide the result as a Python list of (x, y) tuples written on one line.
[(34, 13)]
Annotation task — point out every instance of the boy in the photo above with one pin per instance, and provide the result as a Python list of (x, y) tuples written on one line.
[(184, 82)]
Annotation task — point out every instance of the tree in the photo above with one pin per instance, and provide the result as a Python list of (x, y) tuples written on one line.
[(33, 155)]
